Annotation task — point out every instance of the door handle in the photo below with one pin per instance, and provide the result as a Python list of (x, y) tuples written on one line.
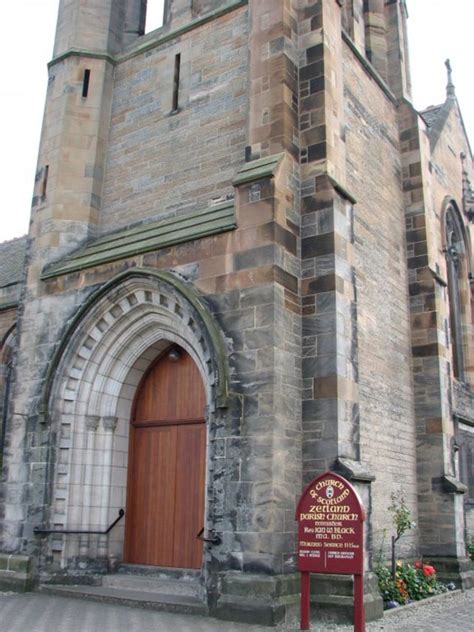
[(214, 539)]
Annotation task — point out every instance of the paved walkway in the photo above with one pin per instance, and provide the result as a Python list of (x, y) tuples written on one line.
[(43, 613)]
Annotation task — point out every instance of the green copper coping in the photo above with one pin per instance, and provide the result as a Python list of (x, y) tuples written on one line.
[(257, 169), (9, 305), (146, 238)]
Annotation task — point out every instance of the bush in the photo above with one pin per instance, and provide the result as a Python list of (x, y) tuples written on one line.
[(412, 582), (470, 549)]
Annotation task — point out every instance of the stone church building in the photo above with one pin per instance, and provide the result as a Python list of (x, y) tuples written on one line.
[(249, 261)]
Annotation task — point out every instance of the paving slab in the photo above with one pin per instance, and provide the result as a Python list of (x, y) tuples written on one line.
[(34, 612)]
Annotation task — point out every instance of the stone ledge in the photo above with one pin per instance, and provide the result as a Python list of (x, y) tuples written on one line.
[(453, 486), (256, 599), (14, 563), (354, 470), (271, 599), (258, 169), (453, 569), (332, 597), (15, 572)]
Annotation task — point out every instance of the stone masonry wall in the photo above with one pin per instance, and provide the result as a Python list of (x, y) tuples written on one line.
[(160, 163), (387, 441)]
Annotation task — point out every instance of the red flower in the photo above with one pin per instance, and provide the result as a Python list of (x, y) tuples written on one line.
[(418, 564), (428, 570)]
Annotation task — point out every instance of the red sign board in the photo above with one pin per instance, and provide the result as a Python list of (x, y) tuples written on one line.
[(331, 529), (331, 537)]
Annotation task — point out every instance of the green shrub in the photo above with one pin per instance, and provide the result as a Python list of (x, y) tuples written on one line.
[(470, 548)]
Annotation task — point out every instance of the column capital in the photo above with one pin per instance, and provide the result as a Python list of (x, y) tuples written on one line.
[(109, 422), (92, 422)]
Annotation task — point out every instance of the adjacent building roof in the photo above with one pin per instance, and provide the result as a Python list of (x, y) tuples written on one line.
[(12, 259)]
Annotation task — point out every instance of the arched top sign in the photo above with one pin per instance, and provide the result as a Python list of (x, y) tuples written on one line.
[(330, 519)]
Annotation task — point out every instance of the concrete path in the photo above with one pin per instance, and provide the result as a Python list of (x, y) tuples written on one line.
[(33, 612)]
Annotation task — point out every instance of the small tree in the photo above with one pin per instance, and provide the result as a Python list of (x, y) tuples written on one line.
[(401, 518)]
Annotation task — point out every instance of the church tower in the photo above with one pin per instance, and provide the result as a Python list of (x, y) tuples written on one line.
[(69, 178)]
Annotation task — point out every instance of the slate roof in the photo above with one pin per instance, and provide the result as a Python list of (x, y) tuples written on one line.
[(12, 258), (431, 114), (147, 237)]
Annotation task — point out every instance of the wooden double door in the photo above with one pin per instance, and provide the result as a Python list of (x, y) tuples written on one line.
[(166, 472)]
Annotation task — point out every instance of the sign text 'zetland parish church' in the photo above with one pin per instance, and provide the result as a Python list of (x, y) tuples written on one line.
[(330, 533)]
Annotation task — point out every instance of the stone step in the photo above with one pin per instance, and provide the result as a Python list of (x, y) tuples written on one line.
[(183, 604), (160, 572), (154, 584)]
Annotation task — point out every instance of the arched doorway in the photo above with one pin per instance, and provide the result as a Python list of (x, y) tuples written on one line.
[(89, 395), (166, 472)]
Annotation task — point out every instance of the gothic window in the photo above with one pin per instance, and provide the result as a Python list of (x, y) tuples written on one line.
[(466, 441), (7, 348), (456, 270)]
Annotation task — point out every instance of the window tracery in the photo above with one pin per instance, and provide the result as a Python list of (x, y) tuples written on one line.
[(455, 251)]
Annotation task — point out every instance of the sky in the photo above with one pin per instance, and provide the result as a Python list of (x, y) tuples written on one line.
[(438, 29)]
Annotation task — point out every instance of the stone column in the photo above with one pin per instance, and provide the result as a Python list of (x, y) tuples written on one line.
[(353, 22), (376, 35), (110, 424), (91, 424), (257, 471), (331, 434), (398, 66), (177, 13), (273, 122), (330, 404)]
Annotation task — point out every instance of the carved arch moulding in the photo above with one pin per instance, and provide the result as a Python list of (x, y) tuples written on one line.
[(121, 329)]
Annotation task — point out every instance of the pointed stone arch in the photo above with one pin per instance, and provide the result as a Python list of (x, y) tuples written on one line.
[(457, 248), (7, 351), (89, 392)]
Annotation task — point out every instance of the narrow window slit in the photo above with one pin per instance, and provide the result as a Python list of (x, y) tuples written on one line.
[(177, 70), (44, 185), (85, 83)]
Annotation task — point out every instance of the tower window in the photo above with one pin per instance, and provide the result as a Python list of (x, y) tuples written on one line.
[(44, 184), (154, 15), (85, 82), (177, 72)]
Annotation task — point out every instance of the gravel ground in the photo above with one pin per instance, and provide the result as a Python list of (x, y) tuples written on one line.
[(33, 612), (453, 613)]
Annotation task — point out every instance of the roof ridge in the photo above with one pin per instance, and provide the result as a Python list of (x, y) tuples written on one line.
[(432, 107), (9, 241)]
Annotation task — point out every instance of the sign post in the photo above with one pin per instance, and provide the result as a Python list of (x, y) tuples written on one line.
[(330, 519)]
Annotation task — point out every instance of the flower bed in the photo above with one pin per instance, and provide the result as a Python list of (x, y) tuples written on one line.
[(412, 582)]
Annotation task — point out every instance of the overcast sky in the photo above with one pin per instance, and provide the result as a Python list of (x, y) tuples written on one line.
[(437, 28)]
